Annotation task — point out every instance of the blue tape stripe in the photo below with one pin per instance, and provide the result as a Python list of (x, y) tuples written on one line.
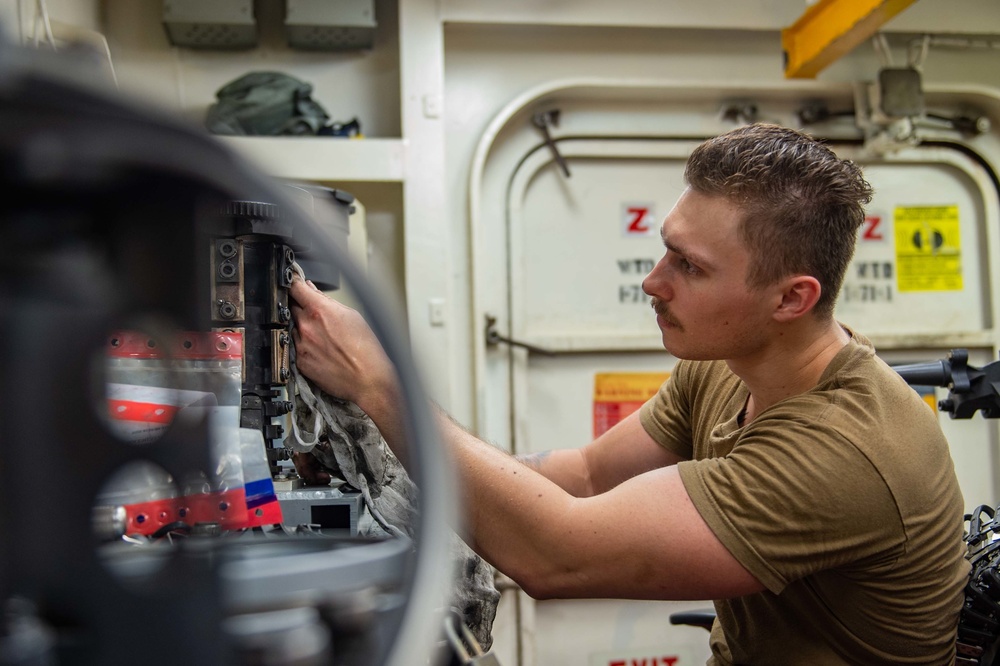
[(259, 492)]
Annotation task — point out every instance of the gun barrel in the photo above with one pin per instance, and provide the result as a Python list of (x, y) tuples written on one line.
[(936, 373)]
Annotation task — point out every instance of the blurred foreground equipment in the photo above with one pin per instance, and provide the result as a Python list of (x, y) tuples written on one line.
[(110, 211)]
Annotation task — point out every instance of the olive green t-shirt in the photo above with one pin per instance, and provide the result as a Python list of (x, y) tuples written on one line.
[(842, 501)]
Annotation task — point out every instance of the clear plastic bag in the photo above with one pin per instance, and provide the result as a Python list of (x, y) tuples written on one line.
[(150, 384), (261, 501)]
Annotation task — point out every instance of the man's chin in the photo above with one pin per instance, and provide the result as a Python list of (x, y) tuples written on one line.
[(671, 345), (679, 351)]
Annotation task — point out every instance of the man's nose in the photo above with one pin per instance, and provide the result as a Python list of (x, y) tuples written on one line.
[(656, 284)]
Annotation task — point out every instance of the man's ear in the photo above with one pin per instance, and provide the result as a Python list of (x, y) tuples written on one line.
[(799, 295)]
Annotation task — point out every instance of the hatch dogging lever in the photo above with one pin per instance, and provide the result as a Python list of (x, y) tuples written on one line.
[(493, 338), (544, 121)]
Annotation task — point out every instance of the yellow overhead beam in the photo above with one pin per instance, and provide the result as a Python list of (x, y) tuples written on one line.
[(831, 28)]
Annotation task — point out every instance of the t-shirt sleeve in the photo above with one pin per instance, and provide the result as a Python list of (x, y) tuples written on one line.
[(793, 500), (666, 416)]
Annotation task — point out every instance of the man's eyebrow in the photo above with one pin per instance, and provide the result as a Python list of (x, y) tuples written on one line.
[(693, 257)]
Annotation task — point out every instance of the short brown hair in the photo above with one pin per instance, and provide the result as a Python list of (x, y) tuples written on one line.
[(803, 204)]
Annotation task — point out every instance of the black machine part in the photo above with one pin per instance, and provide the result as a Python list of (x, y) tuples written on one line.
[(979, 627), (970, 389), (108, 209), (253, 249)]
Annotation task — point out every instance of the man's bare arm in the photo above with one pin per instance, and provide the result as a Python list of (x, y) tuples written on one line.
[(624, 451), (564, 467), (642, 539)]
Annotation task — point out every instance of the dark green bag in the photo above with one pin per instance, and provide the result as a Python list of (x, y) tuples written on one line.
[(265, 104)]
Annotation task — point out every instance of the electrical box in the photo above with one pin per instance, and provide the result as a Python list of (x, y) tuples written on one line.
[(900, 92), (220, 24), (321, 25)]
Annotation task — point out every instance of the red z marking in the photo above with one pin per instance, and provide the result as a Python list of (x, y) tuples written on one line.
[(638, 225), (871, 224)]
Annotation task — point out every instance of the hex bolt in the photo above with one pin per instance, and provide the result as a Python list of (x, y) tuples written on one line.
[(284, 339), (284, 314), (289, 255), (227, 310), (284, 373)]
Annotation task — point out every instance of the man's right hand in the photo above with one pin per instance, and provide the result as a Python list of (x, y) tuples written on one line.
[(335, 348)]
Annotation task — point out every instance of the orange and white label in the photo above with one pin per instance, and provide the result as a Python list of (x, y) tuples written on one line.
[(618, 394)]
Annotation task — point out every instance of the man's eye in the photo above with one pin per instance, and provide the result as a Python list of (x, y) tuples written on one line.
[(688, 267)]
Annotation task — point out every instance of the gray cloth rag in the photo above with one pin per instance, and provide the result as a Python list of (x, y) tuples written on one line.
[(347, 443)]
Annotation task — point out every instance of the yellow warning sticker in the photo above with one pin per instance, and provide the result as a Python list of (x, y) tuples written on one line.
[(928, 248), (618, 394)]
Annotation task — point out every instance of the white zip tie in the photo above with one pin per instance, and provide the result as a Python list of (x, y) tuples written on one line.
[(301, 445), (303, 390)]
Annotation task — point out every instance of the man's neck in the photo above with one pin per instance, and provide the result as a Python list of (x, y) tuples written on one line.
[(790, 366)]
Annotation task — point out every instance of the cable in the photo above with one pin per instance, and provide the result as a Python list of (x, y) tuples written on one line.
[(42, 12), (177, 526), (881, 45), (917, 56), (21, 36)]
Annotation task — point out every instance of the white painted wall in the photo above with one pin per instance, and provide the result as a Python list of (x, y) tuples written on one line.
[(964, 16), (17, 17), (362, 84)]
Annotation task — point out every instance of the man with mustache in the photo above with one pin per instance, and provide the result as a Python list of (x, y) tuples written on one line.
[(783, 470)]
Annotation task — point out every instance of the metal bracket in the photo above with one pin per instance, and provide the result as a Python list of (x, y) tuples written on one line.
[(493, 338)]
